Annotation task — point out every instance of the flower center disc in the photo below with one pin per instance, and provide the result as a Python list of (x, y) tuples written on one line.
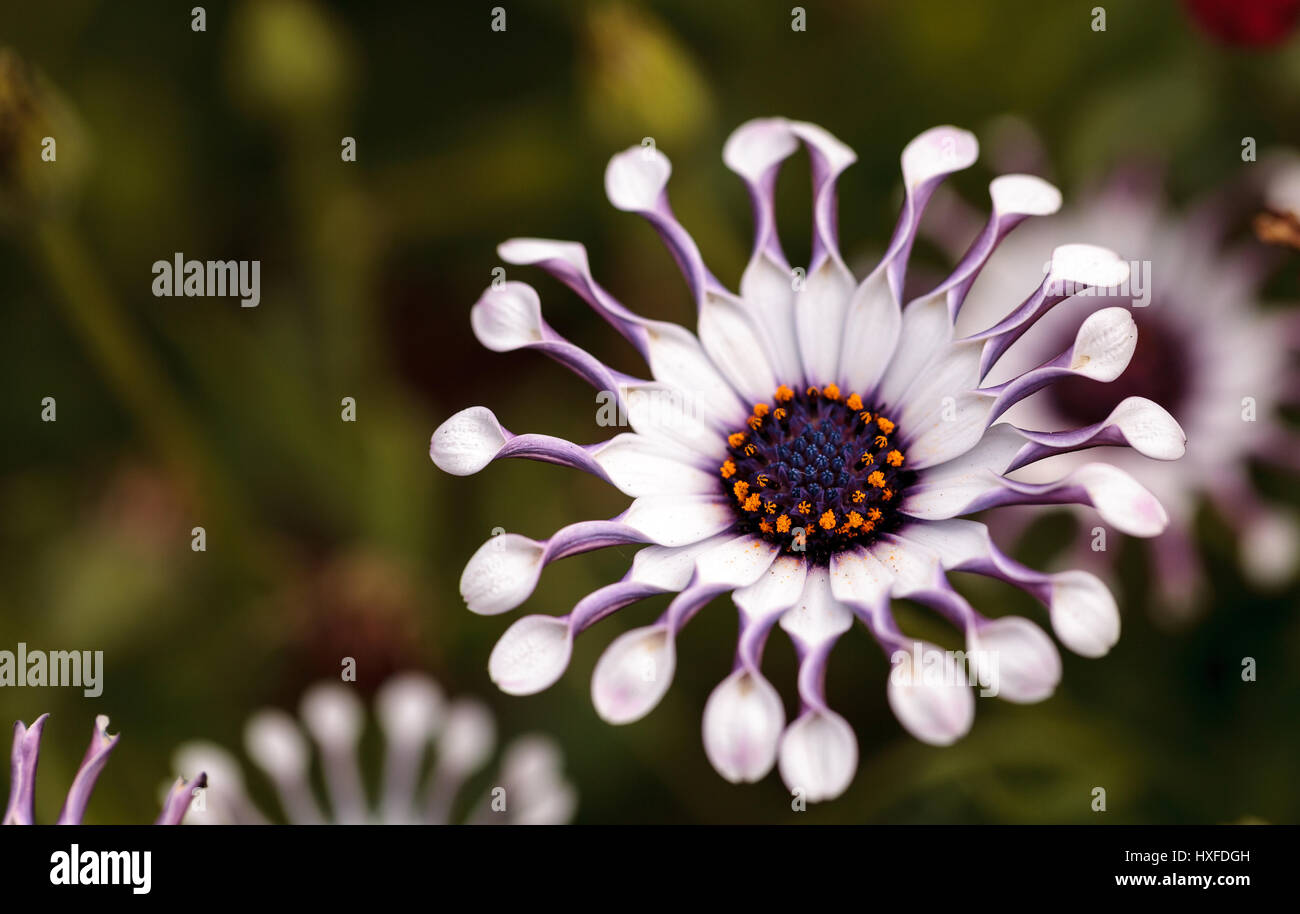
[(816, 472)]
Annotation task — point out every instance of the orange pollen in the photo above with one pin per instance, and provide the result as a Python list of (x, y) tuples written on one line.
[(887, 494), (831, 391), (728, 469), (741, 488), (765, 525), (750, 450), (895, 458), (803, 507), (751, 503), (779, 414), (854, 402), (736, 439), (881, 441), (874, 514), (784, 394), (827, 520), (782, 524), (761, 409), (868, 459), (876, 478), (762, 481), (855, 519), (812, 392), (859, 496), (755, 422), (771, 507), (885, 425)]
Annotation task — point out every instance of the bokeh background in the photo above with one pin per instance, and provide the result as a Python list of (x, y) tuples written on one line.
[(328, 539)]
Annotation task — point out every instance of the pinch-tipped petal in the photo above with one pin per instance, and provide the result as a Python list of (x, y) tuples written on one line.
[(532, 655), (1104, 344), (743, 719), (410, 709), (633, 674), (508, 317), (1016, 659), (1084, 615), (819, 756), (468, 737), (929, 695), (501, 574), (467, 442), (636, 177), (1149, 429), (1121, 500)]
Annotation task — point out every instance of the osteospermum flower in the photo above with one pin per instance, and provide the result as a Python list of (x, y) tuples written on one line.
[(832, 443), (413, 715), (22, 782), (1207, 350)]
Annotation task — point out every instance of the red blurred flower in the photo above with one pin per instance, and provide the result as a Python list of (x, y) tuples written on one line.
[(1251, 23)]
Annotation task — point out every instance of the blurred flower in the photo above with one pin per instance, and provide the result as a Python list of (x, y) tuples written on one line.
[(22, 784), (529, 790), (44, 153), (1206, 351), (1251, 23), (870, 433)]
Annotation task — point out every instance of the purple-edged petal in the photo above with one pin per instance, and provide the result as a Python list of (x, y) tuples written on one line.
[(1136, 422), (1102, 349), (178, 799), (22, 780), (505, 569), (92, 763)]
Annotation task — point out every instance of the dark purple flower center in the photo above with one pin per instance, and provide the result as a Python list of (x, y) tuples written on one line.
[(816, 472)]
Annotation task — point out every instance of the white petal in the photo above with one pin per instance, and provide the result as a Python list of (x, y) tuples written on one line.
[(670, 567), (678, 520), (501, 574), (1015, 658), (776, 591), (1084, 614), (938, 151), (757, 145), (531, 655), (944, 490), (871, 332), (737, 346), (334, 715), (768, 291), (641, 466), (736, 562), (929, 695), (1025, 194), (925, 330), (1269, 547), (409, 707), (224, 773), (276, 745), (677, 359), (531, 761), (1149, 429), (1121, 500), (818, 616), (633, 674), (507, 317), (636, 177), (467, 442), (743, 720), (819, 756), (1104, 344), (468, 737), (941, 417), (1079, 265), (819, 313)]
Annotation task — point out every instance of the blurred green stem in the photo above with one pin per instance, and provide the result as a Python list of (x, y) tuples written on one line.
[(139, 382)]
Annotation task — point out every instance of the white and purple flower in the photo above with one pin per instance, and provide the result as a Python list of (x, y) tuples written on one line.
[(1208, 351), (22, 782), (832, 443), (414, 715)]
